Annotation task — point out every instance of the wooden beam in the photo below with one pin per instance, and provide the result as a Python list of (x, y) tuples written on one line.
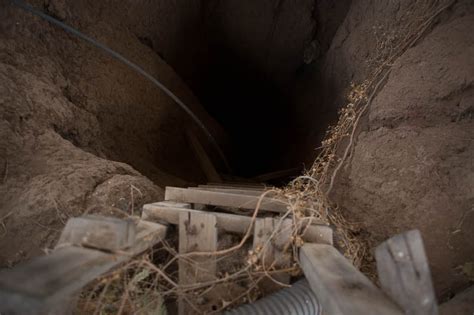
[(227, 186), (204, 160), (339, 286), (104, 233), (214, 198), (41, 284), (197, 233), (272, 252), (316, 233), (404, 273), (249, 192)]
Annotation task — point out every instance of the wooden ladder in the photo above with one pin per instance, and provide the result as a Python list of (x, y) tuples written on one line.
[(189, 209), (91, 246)]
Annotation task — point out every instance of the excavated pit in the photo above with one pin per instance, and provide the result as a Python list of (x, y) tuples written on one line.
[(82, 133), (257, 115), (253, 73)]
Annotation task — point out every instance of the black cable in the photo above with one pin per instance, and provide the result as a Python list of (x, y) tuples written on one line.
[(132, 65)]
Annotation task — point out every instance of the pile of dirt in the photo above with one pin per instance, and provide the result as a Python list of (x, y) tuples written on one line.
[(71, 117)]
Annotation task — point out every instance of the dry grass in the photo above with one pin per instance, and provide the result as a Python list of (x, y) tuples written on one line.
[(140, 286)]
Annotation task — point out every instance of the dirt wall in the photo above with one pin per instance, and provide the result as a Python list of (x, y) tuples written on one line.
[(412, 165), (71, 117)]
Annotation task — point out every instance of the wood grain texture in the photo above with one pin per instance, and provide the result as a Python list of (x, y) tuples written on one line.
[(273, 251), (317, 233), (99, 232), (215, 198), (234, 185), (339, 286), (405, 275), (250, 192), (197, 233), (41, 284)]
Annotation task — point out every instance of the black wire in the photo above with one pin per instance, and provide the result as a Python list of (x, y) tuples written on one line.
[(132, 65)]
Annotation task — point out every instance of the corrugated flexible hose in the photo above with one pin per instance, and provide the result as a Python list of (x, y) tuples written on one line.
[(299, 299)]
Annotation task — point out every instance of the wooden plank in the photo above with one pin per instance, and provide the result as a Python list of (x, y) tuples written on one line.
[(229, 222), (36, 286), (44, 282), (224, 199), (99, 232), (248, 192), (262, 232), (197, 233), (339, 286), (271, 253), (317, 233), (148, 235), (174, 204), (281, 244), (206, 164), (404, 273), (223, 186), (238, 185)]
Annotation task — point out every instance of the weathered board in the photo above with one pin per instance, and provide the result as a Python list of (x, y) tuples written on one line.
[(99, 232), (36, 286), (41, 284), (339, 286), (317, 233), (237, 185), (404, 273), (249, 192), (197, 233), (223, 186), (273, 251), (224, 199)]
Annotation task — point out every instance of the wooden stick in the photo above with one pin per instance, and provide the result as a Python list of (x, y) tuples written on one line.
[(249, 192), (39, 285), (197, 233), (339, 286), (404, 273), (316, 233), (222, 199)]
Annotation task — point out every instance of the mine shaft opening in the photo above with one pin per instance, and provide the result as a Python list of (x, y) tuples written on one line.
[(256, 115), (255, 75)]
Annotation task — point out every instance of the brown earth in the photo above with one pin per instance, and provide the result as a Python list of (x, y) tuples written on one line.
[(70, 114), (412, 165), (81, 132)]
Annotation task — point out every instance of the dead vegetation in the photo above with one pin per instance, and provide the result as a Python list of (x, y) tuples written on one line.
[(144, 284)]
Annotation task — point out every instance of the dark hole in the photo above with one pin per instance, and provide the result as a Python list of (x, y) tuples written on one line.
[(256, 115)]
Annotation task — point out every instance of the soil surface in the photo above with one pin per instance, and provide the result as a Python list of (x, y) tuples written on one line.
[(78, 129), (82, 133), (412, 164)]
